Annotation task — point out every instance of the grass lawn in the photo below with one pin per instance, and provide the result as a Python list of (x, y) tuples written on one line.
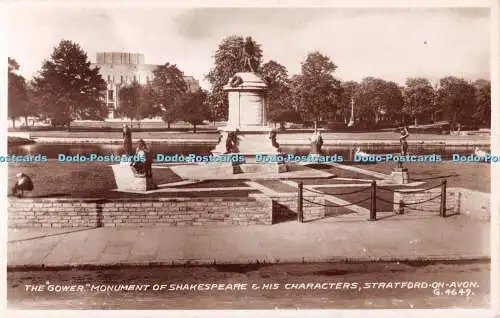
[(474, 176), (278, 186), (343, 173), (384, 203), (216, 184), (55, 179), (329, 181)]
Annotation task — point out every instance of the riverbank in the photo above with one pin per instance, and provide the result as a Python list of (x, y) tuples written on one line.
[(16, 140), (285, 139)]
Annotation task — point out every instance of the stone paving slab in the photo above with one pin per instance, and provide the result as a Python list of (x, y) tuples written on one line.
[(396, 238), (33, 233), (91, 249), (66, 246)]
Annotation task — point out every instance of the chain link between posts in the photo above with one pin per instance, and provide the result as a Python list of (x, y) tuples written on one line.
[(334, 194), (404, 205), (416, 191), (337, 206)]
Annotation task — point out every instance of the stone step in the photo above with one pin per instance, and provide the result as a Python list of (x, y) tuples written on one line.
[(127, 181), (259, 167)]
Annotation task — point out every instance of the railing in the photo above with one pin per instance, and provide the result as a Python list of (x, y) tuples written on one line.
[(373, 199)]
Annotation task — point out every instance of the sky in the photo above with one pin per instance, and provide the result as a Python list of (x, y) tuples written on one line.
[(390, 43)]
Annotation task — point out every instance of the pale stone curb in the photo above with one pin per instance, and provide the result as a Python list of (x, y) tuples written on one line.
[(262, 261)]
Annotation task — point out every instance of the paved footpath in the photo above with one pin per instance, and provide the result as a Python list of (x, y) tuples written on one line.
[(400, 238)]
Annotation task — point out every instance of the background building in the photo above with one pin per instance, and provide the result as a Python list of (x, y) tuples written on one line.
[(121, 69)]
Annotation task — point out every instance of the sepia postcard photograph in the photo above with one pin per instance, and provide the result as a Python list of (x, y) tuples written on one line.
[(196, 156)]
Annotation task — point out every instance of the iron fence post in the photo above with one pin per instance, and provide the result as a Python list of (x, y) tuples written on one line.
[(300, 211), (401, 207), (373, 205), (442, 210)]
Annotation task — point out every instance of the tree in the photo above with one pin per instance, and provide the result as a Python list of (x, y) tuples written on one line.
[(315, 92), (135, 101), (279, 105), (232, 56), (376, 100), (349, 90), (482, 111), (169, 89), (457, 98), (18, 104), (418, 97), (68, 87), (194, 109)]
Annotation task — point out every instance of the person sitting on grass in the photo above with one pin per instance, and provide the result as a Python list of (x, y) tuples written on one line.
[(22, 184)]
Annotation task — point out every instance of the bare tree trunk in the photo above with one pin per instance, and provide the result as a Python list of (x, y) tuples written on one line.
[(13, 123), (194, 128), (453, 121)]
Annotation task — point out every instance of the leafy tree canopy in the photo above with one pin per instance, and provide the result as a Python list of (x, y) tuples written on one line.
[(68, 87)]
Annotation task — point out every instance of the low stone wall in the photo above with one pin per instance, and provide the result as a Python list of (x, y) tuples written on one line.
[(285, 207), (458, 201), (138, 212)]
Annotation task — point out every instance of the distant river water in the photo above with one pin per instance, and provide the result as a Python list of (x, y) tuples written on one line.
[(53, 150)]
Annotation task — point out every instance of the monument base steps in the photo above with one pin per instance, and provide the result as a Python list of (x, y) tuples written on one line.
[(400, 176), (127, 181)]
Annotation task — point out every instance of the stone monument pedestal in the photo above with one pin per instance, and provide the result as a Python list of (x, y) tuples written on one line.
[(247, 118), (400, 176), (126, 180), (252, 142), (313, 158)]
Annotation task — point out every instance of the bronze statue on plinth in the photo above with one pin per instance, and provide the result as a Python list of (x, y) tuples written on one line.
[(273, 135), (316, 142), (249, 56), (232, 142), (143, 168), (403, 144), (127, 140)]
